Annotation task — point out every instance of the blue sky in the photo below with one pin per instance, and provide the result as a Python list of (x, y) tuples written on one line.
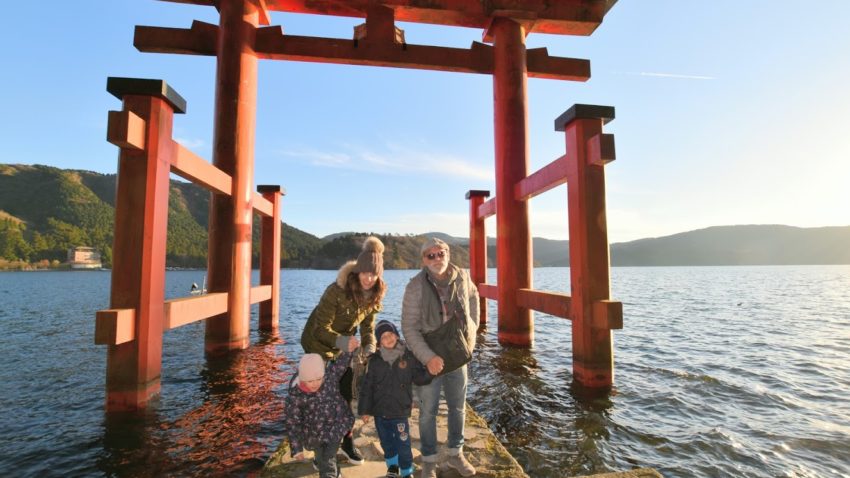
[(728, 112)]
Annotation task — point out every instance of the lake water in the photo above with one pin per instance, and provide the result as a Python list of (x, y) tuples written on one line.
[(720, 371)]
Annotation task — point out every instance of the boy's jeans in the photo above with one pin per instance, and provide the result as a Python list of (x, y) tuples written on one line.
[(326, 459), (453, 385), (395, 440)]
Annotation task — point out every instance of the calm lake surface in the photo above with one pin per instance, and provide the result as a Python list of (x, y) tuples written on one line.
[(720, 371)]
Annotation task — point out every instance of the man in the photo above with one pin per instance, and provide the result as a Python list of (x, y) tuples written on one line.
[(439, 292)]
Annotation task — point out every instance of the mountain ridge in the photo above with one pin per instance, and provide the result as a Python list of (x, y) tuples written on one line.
[(46, 210)]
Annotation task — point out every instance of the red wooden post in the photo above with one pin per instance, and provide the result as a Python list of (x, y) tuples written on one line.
[(270, 259), (478, 246), (138, 250), (593, 355), (513, 239), (229, 267)]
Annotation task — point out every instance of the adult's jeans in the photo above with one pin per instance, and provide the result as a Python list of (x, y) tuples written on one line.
[(453, 385)]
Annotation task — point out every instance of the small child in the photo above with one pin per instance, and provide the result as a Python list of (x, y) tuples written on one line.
[(316, 415), (386, 394)]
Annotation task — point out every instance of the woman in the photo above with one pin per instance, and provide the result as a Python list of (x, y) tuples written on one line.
[(353, 300)]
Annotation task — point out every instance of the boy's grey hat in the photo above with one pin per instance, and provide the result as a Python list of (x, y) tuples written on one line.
[(431, 243)]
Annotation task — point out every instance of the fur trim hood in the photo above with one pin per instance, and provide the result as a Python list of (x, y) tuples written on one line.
[(342, 275)]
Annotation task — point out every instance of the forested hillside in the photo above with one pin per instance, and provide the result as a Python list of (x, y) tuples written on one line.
[(44, 211)]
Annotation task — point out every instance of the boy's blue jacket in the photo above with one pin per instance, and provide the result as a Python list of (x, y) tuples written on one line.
[(386, 390), (320, 417)]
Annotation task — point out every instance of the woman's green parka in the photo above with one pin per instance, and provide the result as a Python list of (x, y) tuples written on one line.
[(338, 315)]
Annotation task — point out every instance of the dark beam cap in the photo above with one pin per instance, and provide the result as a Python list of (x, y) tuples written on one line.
[(121, 87), (579, 111), (477, 193), (270, 188)]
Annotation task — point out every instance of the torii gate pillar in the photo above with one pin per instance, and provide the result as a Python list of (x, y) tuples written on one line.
[(229, 267), (513, 241)]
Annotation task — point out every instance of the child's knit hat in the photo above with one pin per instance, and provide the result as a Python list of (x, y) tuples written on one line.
[(385, 326), (311, 367)]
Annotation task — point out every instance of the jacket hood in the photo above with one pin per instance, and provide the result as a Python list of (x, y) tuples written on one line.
[(342, 275)]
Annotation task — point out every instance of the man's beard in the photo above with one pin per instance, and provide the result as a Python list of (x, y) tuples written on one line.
[(438, 269)]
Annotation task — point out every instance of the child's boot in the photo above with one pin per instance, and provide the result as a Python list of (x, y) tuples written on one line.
[(347, 448)]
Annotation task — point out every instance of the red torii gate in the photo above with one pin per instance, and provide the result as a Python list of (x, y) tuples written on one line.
[(238, 41)]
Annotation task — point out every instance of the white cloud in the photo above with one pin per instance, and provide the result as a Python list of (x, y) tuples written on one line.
[(455, 224), (193, 144), (395, 160), (672, 75)]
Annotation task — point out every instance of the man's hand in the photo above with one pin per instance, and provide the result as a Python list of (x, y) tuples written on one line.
[(353, 344), (299, 456), (365, 418), (435, 365)]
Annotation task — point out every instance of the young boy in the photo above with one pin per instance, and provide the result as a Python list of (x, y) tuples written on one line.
[(385, 393), (316, 416)]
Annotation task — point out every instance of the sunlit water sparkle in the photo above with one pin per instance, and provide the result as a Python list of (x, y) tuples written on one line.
[(720, 371)]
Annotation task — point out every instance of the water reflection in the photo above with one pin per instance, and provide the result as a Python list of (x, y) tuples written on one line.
[(133, 445), (230, 433), (551, 426)]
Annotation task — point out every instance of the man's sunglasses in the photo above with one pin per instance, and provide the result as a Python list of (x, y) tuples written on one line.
[(433, 255)]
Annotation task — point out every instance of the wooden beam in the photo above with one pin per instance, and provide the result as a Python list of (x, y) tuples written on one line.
[(188, 165), (600, 149), (262, 205), (566, 17), (201, 39), (551, 303), (272, 44), (185, 310), (562, 17), (126, 129), (260, 293), (552, 175), (488, 291), (487, 209), (114, 326), (607, 314)]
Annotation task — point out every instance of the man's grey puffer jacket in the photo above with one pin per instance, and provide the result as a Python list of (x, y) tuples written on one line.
[(421, 311)]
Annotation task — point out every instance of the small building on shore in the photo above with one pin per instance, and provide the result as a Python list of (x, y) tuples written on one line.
[(84, 257)]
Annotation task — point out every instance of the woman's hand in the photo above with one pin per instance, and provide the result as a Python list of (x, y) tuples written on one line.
[(299, 456), (435, 365), (353, 343)]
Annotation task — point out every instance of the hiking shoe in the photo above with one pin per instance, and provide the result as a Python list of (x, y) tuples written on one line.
[(393, 472), (429, 469), (459, 463), (354, 457)]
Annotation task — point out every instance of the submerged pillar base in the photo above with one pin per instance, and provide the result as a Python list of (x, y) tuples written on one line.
[(132, 400)]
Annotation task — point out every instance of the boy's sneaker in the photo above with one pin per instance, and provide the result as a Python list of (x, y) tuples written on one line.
[(459, 463), (393, 472), (351, 453)]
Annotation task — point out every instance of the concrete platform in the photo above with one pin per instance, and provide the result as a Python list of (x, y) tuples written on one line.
[(482, 449)]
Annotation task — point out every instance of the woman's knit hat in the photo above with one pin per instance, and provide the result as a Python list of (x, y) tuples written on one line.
[(383, 327), (372, 257), (311, 367)]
